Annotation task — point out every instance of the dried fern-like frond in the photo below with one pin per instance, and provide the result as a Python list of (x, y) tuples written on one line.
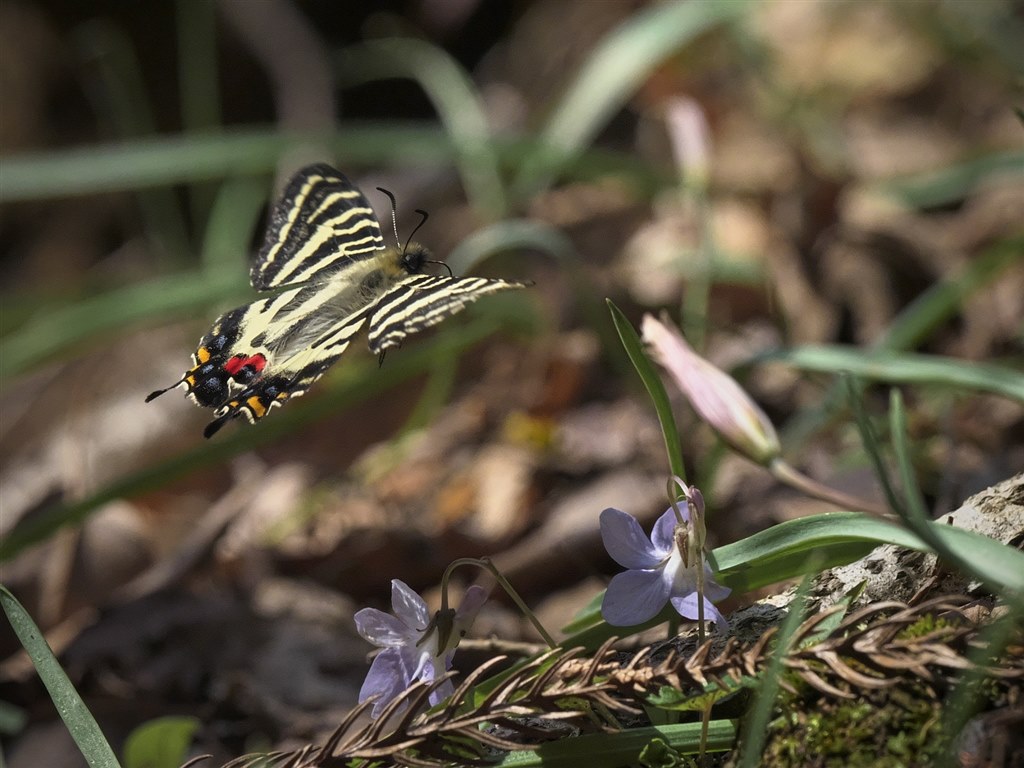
[(564, 693)]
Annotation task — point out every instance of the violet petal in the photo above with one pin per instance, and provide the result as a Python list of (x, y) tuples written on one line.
[(381, 629), (626, 541), (664, 531), (409, 606), (634, 596), (686, 606)]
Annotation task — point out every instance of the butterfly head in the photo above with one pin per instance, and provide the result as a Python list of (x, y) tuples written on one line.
[(414, 256)]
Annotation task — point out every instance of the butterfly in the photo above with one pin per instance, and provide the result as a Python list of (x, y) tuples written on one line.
[(325, 259)]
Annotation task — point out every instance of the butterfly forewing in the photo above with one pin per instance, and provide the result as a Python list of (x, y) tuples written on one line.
[(421, 301), (321, 224)]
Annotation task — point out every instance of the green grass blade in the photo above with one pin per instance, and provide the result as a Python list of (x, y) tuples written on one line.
[(201, 157), (652, 381), (68, 328), (198, 76), (941, 301), (768, 556), (903, 368), (954, 182), (613, 750), (999, 570), (236, 209), (755, 723), (79, 720), (190, 158), (615, 70), (455, 98), (122, 101), (872, 446), (511, 235)]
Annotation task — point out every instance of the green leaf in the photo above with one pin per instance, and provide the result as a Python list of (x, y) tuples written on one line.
[(586, 617), (613, 750), (79, 720), (1001, 567), (12, 718), (943, 300), (785, 551), (652, 381), (954, 182), (903, 367), (778, 552), (160, 743), (680, 701)]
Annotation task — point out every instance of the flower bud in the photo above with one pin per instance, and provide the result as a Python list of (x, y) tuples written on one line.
[(714, 395)]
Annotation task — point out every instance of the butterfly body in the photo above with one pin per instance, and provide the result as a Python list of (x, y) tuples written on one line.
[(325, 257)]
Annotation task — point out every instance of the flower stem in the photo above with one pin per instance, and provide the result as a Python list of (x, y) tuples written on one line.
[(486, 564), (792, 477)]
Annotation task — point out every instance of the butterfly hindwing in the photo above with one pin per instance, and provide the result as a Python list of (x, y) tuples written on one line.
[(421, 301), (321, 224), (290, 377)]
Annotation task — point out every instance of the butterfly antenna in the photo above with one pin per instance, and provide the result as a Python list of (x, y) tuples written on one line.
[(394, 213), (423, 220), (154, 395), (394, 224), (443, 264)]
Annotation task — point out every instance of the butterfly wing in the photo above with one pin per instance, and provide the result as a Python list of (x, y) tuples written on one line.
[(421, 301), (290, 377), (321, 224)]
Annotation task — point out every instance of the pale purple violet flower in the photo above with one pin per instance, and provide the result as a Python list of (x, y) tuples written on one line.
[(657, 573), (417, 647)]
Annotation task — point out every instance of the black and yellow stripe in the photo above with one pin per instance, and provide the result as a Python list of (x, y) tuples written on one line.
[(322, 223), (324, 246), (421, 301)]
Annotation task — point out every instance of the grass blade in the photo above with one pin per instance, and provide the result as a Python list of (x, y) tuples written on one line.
[(997, 570), (616, 69), (196, 157), (455, 98), (903, 368), (69, 704), (612, 750), (652, 381)]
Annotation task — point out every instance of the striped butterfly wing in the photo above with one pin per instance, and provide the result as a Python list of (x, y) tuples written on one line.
[(292, 376), (425, 300), (321, 224)]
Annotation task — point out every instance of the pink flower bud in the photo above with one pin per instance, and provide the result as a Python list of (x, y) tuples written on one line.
[(714, 395)]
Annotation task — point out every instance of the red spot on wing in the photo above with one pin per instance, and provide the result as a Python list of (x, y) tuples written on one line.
[(238, 362)]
